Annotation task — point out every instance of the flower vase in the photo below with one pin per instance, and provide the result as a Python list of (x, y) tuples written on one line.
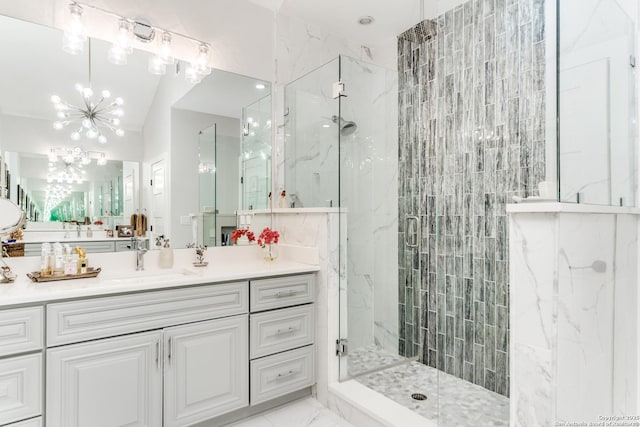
[(165, 259), (242, 241), (270, 252)]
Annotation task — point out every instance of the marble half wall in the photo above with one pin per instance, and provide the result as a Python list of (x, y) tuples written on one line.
[(574, 308)]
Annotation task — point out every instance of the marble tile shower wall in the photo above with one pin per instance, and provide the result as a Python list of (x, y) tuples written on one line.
[(471, 136)]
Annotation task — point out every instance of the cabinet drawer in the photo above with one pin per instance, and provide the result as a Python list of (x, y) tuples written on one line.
[(76, 321), (282, 373), (33, 422), (20, 388), (281, 330), (123, 245), (282, 292), (20, 330), (96, 247)]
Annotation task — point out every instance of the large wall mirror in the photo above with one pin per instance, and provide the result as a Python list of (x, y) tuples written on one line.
[(212, 137)]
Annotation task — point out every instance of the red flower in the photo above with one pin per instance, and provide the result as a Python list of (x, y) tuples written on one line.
[(242, 232), (268, 237)]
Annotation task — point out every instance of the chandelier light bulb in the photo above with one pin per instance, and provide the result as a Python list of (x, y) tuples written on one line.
[(106, 94), (119, 132), (75, 136), (102, 140), (118, 101), (118, 112), (87, 92), (79, 87), (86, 123), (55, 99), (58, 125), (92, 133)]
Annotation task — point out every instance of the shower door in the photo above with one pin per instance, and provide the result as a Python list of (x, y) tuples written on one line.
[(372, 311)]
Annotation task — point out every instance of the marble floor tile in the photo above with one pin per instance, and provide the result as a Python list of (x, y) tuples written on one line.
[(301, 413)]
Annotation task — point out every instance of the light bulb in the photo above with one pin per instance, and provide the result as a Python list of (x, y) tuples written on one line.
[(117, 55), (86, 123), (166, 54), (106, 94), (61, 115), (102, 139), (119, 132), (92, 133), (192, 75), (57, 125), (115, 121), (75, 136), (119, 112), (156, 66), (87, 92), (119, 101), (55, 99)]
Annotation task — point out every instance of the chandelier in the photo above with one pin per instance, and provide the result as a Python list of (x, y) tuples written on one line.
[(67, 165), (91, 117), (54, 195)]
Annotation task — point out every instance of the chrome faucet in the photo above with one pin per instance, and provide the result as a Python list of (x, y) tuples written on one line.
[(138, 245)]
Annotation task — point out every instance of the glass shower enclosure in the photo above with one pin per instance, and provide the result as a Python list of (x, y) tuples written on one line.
[(341, 145)]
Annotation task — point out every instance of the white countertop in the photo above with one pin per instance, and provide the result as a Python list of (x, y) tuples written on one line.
[(119, 276)]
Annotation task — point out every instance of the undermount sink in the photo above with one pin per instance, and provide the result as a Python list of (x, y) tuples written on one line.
[(153, 276)]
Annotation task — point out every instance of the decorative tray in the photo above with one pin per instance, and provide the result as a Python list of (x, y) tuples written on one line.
[(36, 276)]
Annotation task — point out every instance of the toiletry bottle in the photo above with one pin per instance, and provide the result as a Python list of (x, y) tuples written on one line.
[(59, 259), (89, 232), (45, 266)]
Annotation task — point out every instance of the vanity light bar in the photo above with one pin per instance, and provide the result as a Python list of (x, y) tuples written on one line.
[(129, 30)]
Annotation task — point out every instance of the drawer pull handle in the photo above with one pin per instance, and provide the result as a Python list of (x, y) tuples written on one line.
[(283, 375), (169, 352), (285, 331), (158, 353), (284, 294)]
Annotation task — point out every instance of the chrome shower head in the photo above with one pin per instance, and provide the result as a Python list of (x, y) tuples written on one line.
[(347, 127)]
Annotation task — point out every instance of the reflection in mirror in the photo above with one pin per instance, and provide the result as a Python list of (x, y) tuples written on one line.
[(256, 155), (163, 116), (214, 116), (62, 189)]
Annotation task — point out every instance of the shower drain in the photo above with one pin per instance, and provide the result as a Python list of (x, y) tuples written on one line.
[(418, 396)]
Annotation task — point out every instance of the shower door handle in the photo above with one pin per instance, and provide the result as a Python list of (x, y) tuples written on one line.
[(411, 231)]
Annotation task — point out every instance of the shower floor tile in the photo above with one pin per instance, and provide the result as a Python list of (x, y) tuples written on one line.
[(364, 359), (450, 400)]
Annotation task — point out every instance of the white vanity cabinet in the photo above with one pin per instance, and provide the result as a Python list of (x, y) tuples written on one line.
[(174, 357), (200, 365), (106, 383), (206, 370), (282, 324), (21, 377)]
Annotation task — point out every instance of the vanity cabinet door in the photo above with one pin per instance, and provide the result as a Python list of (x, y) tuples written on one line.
[(206, 370), (106, 383)]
